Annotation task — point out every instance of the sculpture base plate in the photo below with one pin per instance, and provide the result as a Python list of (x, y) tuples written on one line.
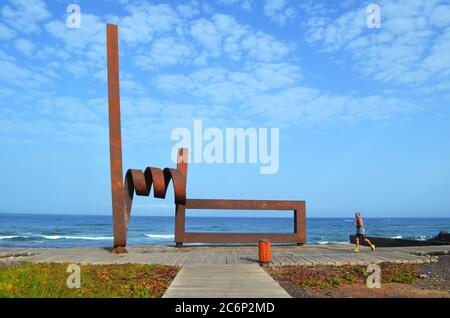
[(119, 250)]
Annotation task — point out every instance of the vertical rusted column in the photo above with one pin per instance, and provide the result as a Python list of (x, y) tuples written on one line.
[(115, 140), (300, 223), (180, 209)]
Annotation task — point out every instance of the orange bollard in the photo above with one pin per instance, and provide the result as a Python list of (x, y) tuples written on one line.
[(264, 251)]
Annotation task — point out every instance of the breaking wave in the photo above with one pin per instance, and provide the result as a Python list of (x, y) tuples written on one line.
[(160, 236), (54, 237), (65, 237)]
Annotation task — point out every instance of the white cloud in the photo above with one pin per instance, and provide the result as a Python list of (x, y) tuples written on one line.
[(263, 47), (52, 53), (56, 119), (269, 94), (79, 52), (313, 107), (25, 15), (25, 46), (21, 76), (279, 11), (246, 75), (145, 21), (66, 108), (228, 2), (222, 33), (166, 39), (5, 56), (164, 52), (438, 60), (187, 11), (399, 51), (219, 85), (6, 33), (160, 116), (440, 17), (92, 32), (245, 4), (208, 35)]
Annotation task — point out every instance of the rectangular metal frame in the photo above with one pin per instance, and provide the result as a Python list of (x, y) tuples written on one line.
[(298, 236)]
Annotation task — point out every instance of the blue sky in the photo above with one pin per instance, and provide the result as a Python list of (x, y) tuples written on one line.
[(363, 113)]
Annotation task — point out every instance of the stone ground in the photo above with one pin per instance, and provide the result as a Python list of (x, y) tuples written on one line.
[(434, 282), (391, 290), (435, 275)]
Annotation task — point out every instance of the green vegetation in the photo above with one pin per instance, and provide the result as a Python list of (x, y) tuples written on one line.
[(350, 278), (398, 273), (49, 280), (314, 283), (334, 281), (324, 276)]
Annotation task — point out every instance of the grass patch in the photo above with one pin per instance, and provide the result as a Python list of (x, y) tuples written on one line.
[(325, 276), (48, 280)]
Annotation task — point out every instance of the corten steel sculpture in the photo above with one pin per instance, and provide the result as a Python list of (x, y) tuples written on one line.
[(141, 182)]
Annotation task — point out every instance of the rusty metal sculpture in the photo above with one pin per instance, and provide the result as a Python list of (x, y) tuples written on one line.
[(141, 182)]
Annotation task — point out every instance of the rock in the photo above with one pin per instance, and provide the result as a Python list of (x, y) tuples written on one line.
[(442, 237), (423, 276)]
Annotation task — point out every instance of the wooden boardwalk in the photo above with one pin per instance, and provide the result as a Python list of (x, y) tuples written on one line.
[(226, 255), (224, 281)]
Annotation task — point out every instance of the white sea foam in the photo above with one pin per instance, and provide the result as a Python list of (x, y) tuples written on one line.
[(332, 242), (55, 237), (8, 237), (62, 237), (160, 236), (397, 237)]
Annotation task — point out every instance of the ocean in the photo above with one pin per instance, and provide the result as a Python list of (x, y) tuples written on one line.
[(39, 230)]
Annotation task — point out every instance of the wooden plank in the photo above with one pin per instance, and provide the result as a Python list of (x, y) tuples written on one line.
[(220, 281)]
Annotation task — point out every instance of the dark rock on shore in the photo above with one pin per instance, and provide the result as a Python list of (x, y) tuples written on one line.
[(442, 237)]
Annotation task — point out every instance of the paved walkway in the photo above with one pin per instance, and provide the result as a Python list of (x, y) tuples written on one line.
[(224, 281), (223, 255)]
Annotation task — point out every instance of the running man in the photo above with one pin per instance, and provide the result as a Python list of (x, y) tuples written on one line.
[(361, 233)]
